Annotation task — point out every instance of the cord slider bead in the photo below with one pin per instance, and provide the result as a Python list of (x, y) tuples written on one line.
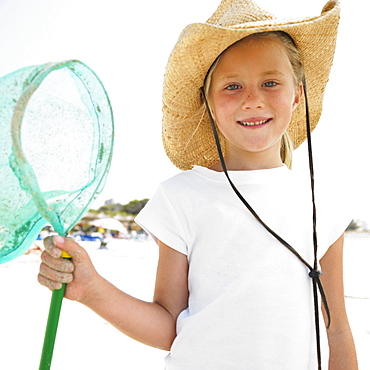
[(315, 274)]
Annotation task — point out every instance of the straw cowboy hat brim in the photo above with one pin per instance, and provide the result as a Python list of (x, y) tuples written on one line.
[(187, 134)]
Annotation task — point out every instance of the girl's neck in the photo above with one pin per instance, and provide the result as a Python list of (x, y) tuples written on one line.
[(218, 168), (250, 162)]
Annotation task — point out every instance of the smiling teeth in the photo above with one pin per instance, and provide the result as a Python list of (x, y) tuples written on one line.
[(253, 123)]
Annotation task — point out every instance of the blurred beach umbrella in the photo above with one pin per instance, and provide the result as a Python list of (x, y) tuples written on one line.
[(109, 224)]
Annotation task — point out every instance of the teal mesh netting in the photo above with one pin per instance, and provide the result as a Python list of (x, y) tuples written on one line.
[(55, 150)]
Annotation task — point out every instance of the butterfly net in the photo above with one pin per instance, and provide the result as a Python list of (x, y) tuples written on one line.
[(55, 150)]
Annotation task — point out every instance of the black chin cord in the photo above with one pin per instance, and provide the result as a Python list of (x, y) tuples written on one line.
[(314, 272)]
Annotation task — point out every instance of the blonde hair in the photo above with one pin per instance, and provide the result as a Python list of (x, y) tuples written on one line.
[(286, 147)]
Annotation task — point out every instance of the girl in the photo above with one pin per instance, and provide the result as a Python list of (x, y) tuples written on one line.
[(238, 254)]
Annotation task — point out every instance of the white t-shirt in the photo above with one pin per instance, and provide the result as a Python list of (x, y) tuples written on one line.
[(251, 301)]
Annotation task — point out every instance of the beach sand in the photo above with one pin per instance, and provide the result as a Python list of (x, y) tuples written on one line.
[(85, 341)]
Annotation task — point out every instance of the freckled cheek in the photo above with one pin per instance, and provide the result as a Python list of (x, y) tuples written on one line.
[(223, 107), (282, 105), (284, 114), (221, 102)]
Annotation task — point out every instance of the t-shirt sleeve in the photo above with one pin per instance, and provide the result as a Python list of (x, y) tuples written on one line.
[(161, 221), (334, 216)]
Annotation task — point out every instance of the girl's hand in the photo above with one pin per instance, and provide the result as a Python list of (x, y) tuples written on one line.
[(79, 272)]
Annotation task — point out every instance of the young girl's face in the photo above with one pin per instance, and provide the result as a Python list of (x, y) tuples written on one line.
[(252, 97)]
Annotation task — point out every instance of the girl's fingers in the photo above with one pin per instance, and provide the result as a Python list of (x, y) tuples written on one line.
[(54, 245), (53, 279), (51, 274), (50, 247), (52, 285), (55, 270), (58, 264)]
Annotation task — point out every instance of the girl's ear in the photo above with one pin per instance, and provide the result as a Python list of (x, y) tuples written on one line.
[(298, 96)]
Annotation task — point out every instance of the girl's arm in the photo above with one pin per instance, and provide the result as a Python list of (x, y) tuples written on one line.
[(152, 323), (341, 344)]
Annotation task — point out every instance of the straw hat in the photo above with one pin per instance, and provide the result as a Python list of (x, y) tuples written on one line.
[(187, 134)]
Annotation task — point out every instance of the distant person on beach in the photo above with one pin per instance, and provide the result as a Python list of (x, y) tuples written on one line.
[(250, 256)]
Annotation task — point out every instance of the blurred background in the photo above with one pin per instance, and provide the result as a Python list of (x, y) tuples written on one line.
[(127, 44)]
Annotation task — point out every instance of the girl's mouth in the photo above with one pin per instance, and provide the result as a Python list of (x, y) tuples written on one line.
[(254, 123)]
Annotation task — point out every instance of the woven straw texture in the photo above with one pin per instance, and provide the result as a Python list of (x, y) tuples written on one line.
[(187, 134)]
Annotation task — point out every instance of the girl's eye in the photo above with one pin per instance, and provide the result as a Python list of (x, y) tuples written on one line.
[(270, 84), (233, 87)]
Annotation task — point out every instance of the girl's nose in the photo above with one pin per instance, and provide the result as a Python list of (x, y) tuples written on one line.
[(252, 100)]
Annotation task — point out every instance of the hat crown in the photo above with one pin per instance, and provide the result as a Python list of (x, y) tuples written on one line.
[(234, 12)]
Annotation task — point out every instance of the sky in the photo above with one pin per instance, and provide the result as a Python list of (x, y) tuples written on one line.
[(127, 44)]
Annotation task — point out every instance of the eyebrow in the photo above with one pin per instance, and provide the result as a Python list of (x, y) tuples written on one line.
[(233, 75), (273, 72)]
